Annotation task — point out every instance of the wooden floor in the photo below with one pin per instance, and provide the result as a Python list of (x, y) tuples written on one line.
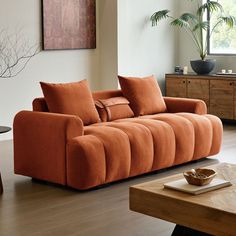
[(34, 208)]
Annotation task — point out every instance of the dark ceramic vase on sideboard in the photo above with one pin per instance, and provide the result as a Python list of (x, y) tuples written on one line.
[(203, 67)]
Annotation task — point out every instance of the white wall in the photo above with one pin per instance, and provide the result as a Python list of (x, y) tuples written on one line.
[(187, 51), (108, 44), (144, 50)]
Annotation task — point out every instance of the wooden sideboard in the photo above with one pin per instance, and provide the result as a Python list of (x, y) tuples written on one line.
[(218, 91)]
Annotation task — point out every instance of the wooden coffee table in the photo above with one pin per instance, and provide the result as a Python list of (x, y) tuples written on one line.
[(210, 213)]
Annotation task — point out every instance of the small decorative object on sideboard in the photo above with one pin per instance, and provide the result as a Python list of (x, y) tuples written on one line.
[(178, 70), (226, 73), (223, 71), (185, 70), (199, 177)]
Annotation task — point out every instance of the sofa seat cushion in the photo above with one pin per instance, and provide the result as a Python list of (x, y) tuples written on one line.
[(102, 155), (217, 134), (86, 163), (163, 136), (117, 152), (203, 133), (140, 141), (207, 132), (184, 135)]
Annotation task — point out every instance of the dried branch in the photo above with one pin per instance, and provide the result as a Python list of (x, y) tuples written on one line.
[(15, 53)]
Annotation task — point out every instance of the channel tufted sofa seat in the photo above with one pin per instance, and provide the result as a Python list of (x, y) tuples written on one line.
[(59, 148)]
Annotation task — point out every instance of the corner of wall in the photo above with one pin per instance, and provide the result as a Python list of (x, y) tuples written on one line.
[(108, 58)]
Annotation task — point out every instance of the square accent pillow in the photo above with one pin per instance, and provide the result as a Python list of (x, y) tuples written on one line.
[(113, 109), (72, 99), (144, 95)]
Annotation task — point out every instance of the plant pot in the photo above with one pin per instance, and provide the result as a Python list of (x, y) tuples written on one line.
[(203, 67)]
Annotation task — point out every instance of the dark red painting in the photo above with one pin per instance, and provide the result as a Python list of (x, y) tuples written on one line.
[(69, 24)]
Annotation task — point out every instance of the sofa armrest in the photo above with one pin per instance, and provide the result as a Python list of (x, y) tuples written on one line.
[(185, 105), (40, 142)]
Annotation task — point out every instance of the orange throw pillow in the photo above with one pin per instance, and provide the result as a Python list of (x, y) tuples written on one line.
[(72, 99), (144, 95), (113, 109)]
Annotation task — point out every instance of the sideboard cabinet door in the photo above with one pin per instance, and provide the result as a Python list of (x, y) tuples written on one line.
[(176, 87), (222, 98), (199, 89)]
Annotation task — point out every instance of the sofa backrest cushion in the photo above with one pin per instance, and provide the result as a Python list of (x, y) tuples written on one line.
[(72, 99), (144, 95), (104, 94), (113, 108), (39, 104)]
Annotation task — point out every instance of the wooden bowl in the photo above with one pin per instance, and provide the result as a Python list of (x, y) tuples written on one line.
[(199, 176)]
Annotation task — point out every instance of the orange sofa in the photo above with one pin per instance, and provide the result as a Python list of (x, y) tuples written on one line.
[(58, 148)]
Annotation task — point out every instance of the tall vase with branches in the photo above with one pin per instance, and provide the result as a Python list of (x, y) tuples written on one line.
[(197, 25)]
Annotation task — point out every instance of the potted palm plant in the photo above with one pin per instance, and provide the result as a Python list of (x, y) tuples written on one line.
[(197, 26)]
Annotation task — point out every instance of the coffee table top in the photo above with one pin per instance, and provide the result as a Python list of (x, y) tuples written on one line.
[(4, 129), (201, 212)]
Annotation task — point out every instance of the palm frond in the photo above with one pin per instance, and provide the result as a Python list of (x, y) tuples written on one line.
[(204, 25), (158, 16), (181, 23), (188, 16), (230, 21), (210, 6)]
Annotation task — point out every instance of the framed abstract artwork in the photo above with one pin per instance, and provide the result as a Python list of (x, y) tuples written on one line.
[(69, 24)]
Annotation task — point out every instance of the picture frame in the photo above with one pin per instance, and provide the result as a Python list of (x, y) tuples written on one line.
[(69, 24)]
